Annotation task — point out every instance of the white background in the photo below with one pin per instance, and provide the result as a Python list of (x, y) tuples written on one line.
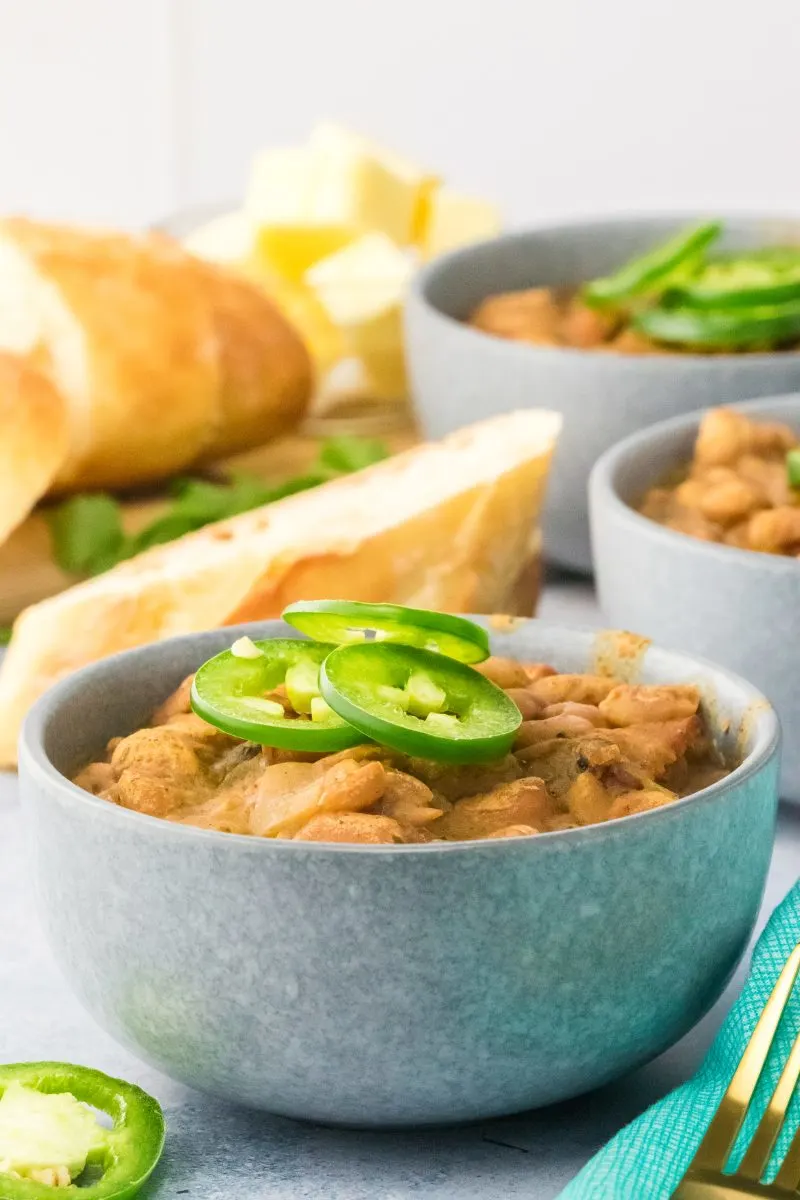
[(121, 111)]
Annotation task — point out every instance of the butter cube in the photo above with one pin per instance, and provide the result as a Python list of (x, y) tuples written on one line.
[(378, 343), (362, 289), (283, 187), (430, 185), (335, 139), (454, 220), (291, 249), (331, 139), (294, 212), (379, 190), (362, 281), (225, 239), (307, 202)]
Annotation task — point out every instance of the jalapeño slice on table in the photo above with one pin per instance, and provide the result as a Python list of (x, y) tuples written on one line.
[(46, 1128), (420, 703), (654, 270), (232, 691), (720, 327), (352, 621)]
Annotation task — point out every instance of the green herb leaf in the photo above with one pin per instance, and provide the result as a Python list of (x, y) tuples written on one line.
[(243, 493), (300, 483), (346, 454), (163, 529), (87, 533), (5, 634)]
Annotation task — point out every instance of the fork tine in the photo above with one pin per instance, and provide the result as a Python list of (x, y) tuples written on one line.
[(789, 1175), (760, 1149), (713, 1152)]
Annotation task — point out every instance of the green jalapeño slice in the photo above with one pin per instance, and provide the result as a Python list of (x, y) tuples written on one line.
[(242, 691), (720, 327), (351, 621), (743, 282), (793, 468), (51, 1143), (419, 703), (653, 271)]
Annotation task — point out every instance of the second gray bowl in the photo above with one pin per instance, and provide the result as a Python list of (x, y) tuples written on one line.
[(460, 375), (738, 607), (397, 985)]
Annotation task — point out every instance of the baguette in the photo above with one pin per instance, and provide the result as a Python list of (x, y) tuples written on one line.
[(265, 369), (163, 360), (446, 525), (34, 439)]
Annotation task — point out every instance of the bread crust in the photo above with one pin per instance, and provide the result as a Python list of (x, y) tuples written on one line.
[(164, 361), (445, 525), (34, 420), (266, 370)]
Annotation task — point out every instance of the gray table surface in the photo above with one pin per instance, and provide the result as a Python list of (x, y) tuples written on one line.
[(215, 1152)]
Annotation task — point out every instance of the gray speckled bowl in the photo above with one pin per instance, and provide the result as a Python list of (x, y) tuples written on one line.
[(380, 986), (735, 606), (460, 375)]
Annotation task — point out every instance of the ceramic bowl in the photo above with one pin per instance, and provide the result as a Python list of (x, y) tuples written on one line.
[(391, 986), (460, 375), (738, 607)]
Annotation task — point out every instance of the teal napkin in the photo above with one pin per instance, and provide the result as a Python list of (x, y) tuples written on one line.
[(649, 1156)]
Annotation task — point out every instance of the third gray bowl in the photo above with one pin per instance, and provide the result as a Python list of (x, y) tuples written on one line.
[(460, 375), (738, 607)]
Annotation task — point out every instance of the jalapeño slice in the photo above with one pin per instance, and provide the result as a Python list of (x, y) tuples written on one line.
[(44, 1124), (747, 281), (352, 621), (720, 327), (232, 691), (793, 467), (654, 270), (420, 703)]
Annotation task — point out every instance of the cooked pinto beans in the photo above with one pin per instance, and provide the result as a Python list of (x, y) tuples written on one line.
[(352, 827), (589, 749), (736, 488)]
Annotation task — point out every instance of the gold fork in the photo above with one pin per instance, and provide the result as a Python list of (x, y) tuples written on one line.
[(704, 1180)]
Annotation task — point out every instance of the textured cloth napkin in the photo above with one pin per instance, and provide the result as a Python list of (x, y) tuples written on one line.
[(647, 1159)]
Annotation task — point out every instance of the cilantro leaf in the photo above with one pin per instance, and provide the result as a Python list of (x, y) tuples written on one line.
[(86, 532), (290, 487), (5, 635), (173, 524), (346, 454)]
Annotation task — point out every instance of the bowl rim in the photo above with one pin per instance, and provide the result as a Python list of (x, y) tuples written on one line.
[(604, 486), (36, 764), (437, 268)]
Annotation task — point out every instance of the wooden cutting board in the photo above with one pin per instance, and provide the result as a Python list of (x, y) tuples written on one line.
[(28, 572)]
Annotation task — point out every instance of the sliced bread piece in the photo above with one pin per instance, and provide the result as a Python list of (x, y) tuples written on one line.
[(446, 525)]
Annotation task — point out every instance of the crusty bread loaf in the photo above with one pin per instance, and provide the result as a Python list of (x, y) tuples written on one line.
[(34, 438), (265, 368), (163, 360), (446, 525)]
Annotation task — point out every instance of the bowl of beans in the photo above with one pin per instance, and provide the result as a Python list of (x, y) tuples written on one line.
[(465, 868), (696, 535), (616, 324)]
